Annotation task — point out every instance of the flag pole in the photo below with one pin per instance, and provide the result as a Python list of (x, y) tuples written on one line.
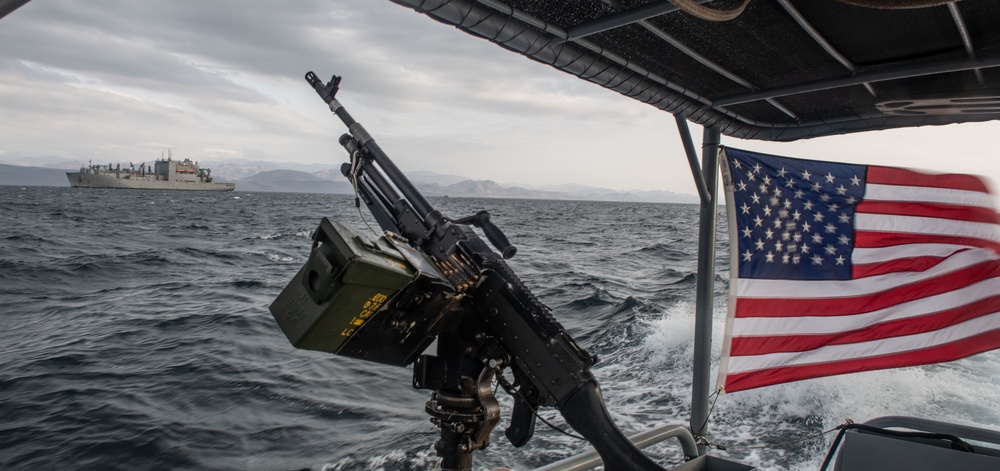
[(701, 378)]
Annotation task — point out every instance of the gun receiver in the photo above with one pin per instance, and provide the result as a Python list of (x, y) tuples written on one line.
[(463, 294)]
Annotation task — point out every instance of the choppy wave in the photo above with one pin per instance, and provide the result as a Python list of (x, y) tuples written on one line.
[(136, 335)]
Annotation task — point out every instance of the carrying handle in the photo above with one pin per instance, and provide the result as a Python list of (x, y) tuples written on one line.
[(493, 233)]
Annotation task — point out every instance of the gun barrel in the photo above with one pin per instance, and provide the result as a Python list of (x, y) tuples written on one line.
[(366, 143), (422, 207)]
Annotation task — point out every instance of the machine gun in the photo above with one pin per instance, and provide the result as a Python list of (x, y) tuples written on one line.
[(430, 278)]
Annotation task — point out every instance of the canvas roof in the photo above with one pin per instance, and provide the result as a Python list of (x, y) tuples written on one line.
[(780, 70)]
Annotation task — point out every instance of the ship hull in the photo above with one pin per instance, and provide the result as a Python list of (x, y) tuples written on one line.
[(84, 180)]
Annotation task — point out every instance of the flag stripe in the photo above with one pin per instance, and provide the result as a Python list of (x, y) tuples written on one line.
[(885, 254), (797, 289), (890, 346), (894, 266), (884, 330), (902, 176), (811, 325), (923, 225), (927, 195), (970, 346), (887, 239), (930, 210), (845, 306)]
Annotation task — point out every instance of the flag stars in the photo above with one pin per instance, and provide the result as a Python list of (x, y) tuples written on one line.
[(802, 218)]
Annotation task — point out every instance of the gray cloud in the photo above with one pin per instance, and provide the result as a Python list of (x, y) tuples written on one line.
[(223, 79)]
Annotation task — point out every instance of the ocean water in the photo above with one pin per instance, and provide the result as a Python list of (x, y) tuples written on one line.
[(134, 334)]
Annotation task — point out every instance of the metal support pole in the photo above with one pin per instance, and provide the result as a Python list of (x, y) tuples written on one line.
[(700, 383), (692, 155)]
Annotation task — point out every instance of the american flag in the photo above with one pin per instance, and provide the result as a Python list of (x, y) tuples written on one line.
[(839, 268)]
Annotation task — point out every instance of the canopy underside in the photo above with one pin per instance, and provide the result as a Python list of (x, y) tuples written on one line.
[(781, 70)]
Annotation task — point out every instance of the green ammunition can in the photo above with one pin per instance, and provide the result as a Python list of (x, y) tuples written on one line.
[(349, 278)]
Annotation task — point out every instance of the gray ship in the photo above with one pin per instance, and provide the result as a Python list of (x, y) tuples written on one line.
[(165, 174)]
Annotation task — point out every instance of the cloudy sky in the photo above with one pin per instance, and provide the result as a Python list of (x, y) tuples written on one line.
[(119, 80)]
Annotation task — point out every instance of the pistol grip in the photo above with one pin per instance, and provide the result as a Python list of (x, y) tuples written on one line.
[(522, 423)]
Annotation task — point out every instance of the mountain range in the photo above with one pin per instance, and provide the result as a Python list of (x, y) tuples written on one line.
[(319, 178)]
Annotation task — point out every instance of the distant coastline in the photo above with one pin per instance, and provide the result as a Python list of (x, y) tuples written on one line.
[(329, 181)]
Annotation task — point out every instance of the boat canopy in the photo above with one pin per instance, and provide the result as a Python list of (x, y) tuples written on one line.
[(773, 70)]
